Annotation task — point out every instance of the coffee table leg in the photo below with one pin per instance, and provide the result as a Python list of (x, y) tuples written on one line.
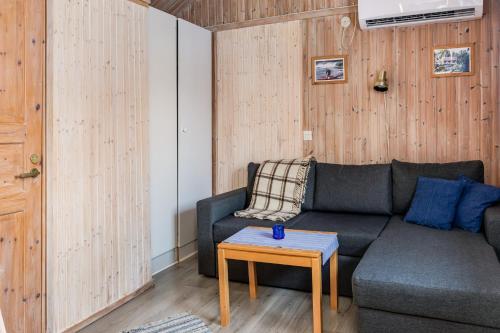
[(316, 294), (223, 289), (252, 279), (333, 281)]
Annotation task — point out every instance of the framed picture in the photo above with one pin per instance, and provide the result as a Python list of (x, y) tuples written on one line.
[(453, 60), (330, 69)]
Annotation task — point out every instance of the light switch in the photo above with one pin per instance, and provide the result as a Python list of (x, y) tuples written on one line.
[(308, 135)]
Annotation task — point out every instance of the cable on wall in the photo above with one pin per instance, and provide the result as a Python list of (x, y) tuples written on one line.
[(345, 22)]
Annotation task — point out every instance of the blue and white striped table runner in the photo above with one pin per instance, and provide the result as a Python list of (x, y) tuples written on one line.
[(295, 240)]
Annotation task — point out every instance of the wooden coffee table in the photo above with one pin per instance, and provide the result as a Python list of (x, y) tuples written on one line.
[(281, 256)]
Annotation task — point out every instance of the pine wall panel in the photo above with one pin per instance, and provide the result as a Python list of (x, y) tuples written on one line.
[(215, 13), (98, 233), (258, 99), (420, 119)]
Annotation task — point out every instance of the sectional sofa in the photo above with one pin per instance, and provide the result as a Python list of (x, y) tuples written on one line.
[(403, 277)]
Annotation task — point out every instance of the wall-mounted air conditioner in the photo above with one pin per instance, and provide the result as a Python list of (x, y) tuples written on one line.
[(388, 13)]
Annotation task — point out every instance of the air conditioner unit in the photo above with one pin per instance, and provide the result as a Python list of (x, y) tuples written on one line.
[(389, 13)]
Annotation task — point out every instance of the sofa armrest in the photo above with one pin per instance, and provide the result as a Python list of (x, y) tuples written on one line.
[(492, 226), (209, 211)]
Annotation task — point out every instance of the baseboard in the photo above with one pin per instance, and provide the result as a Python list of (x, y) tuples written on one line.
[(169, 258), (189, 256), (109, 308), (163, 261), (188, 250)]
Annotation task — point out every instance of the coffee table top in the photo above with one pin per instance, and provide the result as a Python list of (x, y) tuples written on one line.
[(299, 242)]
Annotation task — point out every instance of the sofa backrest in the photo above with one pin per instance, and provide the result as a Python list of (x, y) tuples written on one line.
[(308, 195), (405, 175), (353, 188), (371, 189)]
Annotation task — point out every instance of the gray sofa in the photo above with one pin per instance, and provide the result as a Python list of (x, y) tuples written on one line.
[(403, 277)]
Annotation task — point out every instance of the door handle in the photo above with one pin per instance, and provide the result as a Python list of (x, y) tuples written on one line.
[(32, 174)]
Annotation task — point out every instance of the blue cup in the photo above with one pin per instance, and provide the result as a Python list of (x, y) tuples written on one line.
[(278, 231)]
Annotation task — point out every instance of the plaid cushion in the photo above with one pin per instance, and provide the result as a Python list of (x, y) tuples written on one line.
[(278, 191)]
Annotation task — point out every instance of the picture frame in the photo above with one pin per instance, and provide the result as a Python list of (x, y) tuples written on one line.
[(329, 69), (453, 60)]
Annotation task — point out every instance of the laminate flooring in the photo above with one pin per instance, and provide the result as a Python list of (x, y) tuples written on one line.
[(181, 289)]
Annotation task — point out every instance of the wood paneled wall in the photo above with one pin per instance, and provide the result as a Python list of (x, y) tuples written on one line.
[(420, 119), (213, 13), (98, 233), (258, 99)]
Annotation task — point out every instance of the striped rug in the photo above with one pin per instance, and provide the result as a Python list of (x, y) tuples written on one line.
[(181, 323)]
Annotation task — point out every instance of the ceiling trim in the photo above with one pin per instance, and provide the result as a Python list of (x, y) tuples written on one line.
[(317, 13)]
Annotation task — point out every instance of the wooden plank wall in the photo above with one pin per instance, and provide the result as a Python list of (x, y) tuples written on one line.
[(420, 119), (258, 100), (212, 13), (98, 233)]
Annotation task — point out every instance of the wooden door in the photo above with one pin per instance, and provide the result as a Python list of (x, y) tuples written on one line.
[(22, 31)]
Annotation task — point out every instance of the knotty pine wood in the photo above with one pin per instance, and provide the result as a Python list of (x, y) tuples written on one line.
[(98, 232), (420, 119), (258, 99), (215, 13), (169, 6), (22, 79)]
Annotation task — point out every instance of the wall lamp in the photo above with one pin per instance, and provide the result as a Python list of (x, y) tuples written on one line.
[(381, 83)]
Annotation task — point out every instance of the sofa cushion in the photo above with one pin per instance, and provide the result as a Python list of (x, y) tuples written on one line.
[(475, 199), (405, 175), (308, 195), (435, 202), (355, 231), (231, 224), (365, 189), (450, 275)]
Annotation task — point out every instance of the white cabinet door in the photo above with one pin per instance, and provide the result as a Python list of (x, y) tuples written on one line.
[(195, 126), (163, 135)]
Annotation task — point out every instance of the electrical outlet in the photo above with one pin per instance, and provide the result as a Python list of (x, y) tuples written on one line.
[(308, 135)]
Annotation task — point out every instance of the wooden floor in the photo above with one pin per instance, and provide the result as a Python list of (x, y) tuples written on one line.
[(181, 289)]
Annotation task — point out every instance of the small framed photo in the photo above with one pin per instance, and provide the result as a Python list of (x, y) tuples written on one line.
[(330, 69), (453, 60)]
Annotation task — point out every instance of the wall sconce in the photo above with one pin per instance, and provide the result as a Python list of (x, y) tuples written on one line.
[(381, 83)]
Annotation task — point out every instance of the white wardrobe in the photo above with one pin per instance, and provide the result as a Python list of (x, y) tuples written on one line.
[(180, 79)]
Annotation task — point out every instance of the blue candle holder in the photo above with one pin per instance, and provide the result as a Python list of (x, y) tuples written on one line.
[(278, 231)]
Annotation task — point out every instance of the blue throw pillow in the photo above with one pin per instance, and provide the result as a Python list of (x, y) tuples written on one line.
[(474, 201), (435, 202)]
